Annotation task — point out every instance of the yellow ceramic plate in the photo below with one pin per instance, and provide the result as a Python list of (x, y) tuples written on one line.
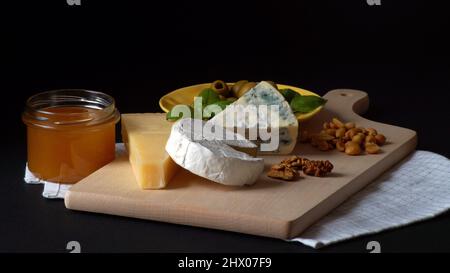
[(186, 96)]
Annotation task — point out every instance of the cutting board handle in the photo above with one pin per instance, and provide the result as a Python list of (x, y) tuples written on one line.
[(349, 103)]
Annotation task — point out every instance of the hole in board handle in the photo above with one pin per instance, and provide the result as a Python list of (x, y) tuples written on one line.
[(343, 94)]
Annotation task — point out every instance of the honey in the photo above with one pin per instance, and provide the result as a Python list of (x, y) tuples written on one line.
[(70, 134)]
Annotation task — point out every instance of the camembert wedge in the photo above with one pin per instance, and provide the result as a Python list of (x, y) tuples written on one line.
[(214, 158)]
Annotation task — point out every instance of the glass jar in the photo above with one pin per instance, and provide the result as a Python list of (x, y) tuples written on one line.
[(70, 133)]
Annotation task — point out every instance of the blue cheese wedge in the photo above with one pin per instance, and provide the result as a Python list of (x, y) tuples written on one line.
[(281, 122)]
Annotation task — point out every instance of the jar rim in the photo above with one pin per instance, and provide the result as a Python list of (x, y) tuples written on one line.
[(37, 108)]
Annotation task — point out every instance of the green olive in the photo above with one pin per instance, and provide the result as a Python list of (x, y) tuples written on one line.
[(273, 84), (245, 88), (237, 86), (220, 87)]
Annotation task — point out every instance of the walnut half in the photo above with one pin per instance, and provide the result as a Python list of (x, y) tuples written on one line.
[(317, 167), (284, 172), (289, 169)]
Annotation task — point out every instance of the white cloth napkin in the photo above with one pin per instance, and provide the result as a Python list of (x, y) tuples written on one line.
[(416, 189), (51, 190)]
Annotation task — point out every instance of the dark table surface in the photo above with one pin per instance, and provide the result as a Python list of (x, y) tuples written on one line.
[(399, 60)]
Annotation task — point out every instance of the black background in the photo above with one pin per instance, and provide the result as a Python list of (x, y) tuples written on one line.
[(397, 52)]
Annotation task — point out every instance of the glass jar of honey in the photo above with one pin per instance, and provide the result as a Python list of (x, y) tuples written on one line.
[(70, 133)]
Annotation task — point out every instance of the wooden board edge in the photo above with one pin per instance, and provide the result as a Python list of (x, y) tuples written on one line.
[(273, 228)]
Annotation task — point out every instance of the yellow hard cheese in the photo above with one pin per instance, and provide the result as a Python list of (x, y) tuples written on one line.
[(145, 137)]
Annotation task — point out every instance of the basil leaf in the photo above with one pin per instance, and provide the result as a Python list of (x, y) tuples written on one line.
[(306, 104), (224, 103), (209, 96), (289, 94), (209, 113), (170, 116)]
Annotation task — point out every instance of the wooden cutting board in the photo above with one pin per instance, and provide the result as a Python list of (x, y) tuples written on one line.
[(271, 207)]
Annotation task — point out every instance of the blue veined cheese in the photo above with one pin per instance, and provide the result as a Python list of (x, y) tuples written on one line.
[(281, 120)]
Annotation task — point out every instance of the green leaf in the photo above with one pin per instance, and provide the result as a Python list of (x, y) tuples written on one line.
[(209, 112), (209, 96), (170, 116), (306, 104), (224, 103), (289, 94)]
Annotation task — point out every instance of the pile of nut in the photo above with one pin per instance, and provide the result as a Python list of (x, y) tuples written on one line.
[(346, 137), (289, 169)]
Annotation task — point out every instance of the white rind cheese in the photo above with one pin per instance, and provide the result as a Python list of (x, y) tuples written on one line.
[(263, 94), (213, 159)]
